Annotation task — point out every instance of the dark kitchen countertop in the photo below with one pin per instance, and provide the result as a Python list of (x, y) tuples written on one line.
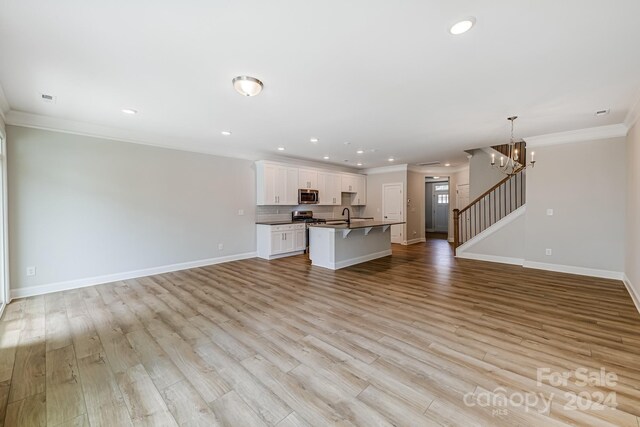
[(302, 222), (358, 224)]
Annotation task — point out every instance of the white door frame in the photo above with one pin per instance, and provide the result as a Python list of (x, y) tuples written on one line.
[(404, 210), (4, 227)]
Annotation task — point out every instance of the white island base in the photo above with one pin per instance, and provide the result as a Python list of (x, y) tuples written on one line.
[(336, 248)]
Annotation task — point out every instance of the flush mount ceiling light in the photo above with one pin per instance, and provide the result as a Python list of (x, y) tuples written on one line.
[(360, 152), (247, 86), (280, 148), (129, 111), (462, 26), (447, 164), (326, 157), (314, 140), (391, 159), (225, 133), (359, 164)]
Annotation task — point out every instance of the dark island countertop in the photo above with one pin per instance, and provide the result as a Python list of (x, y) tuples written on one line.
[(358, 224), (285, 222)]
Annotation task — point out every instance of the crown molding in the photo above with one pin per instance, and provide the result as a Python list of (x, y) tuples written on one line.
[(633, 115), (386, 169), (580, 135)]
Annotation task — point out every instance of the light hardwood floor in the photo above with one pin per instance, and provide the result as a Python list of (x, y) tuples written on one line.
[(416, 339)]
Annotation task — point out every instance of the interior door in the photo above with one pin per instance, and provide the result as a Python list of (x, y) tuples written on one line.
[(393, 209), (462, 195)]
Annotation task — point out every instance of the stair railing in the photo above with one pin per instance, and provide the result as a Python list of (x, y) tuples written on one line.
[(490, 207)]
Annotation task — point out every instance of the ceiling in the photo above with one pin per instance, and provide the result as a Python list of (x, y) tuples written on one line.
[(364, 74)]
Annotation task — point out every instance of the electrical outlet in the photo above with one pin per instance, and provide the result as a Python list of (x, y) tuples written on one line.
[(31, 271), (220, 246), (549, 212), (548, 252), (240, 212)]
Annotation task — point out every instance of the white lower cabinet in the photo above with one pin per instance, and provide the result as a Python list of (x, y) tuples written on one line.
[(275, 241)]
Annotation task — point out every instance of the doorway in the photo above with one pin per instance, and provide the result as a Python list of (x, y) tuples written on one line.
[(392, 209), (437, 207)]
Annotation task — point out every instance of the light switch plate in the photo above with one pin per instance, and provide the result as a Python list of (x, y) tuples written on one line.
[(549, 212), (548, 252)]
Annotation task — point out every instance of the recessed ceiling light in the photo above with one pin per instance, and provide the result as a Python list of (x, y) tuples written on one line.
[(391, 159), (225, 133), (129, 111), (359, 164), (326, 157), (462, 26), (360, 151), (247, 86), (447, 164), (280, 148), (314, 140), (602, 112)]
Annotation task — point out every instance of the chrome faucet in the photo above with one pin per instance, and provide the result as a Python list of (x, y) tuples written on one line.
[(348, 215)]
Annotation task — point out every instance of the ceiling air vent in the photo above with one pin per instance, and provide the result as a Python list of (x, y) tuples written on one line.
[(428, 164), (47, 98), (602, 112)]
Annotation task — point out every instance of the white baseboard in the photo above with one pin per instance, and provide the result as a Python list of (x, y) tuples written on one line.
[(108, 278), (635, 293), (582, 271), (270, 257), (491, 258), (2, 306), (414, 241)]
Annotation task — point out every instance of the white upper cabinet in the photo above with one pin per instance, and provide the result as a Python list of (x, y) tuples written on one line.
[(359, 198), (276, 184), (329, 188), (308, 178), (348, 183)]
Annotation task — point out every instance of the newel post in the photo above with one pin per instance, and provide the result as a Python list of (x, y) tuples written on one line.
[(456, 230)]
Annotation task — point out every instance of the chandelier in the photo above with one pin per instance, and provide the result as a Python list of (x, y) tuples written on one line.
[(511, 164)]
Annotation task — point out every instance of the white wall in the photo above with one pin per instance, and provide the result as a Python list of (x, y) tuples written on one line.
[(507, 244), (83, 207), (482, 176), (632, 259), (415, 206), (585, 184)]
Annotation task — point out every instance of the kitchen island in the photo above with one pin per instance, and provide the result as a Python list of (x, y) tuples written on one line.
[(336, 246)]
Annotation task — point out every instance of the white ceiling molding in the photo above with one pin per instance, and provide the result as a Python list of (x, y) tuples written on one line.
[(580, 135), (387, 169), (633, 115)]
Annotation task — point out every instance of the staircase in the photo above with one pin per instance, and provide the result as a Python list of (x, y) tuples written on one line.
[(493, 205)]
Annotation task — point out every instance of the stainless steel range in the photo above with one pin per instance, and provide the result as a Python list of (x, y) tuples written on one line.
[(306, 217)]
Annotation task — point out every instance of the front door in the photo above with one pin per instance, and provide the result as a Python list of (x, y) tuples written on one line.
[(392, 209), (441, 207)]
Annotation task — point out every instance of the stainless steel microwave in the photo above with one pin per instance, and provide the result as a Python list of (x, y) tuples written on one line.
[(308, 197)]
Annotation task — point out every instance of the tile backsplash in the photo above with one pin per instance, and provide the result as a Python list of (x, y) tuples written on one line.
[(283, 213)]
